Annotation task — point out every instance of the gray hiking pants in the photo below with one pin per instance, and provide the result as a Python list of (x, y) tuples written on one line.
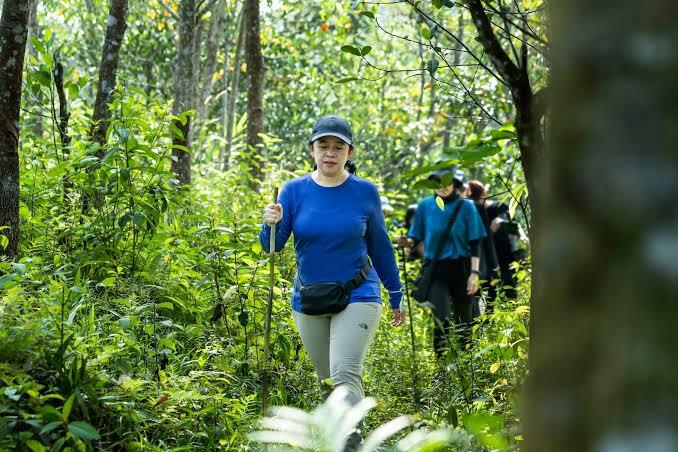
[(337, 344)]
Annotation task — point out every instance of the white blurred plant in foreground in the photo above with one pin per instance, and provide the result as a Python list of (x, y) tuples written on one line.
[(328, 427)]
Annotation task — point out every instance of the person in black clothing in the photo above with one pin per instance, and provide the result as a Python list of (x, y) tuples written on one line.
[(507, 235), (489, 262)]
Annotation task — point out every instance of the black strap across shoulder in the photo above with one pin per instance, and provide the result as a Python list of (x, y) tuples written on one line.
[(450, 223)]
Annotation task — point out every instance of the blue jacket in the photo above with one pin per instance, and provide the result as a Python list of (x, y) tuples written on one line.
[(335, 229)]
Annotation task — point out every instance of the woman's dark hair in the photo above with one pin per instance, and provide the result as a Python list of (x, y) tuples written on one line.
[(476, 190)]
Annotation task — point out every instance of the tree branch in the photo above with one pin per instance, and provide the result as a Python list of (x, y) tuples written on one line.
[(500, 59), (459, 41)]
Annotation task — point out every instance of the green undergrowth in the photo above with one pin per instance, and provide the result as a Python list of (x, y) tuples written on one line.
[(134, 319)]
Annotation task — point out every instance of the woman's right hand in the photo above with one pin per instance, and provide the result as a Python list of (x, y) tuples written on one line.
[(273, 213)]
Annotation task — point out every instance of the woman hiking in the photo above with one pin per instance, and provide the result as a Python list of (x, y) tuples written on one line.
[(456, 265), (342, 251)]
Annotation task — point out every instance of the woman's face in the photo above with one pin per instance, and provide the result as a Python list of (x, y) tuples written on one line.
[(444, 192), (330, 154)]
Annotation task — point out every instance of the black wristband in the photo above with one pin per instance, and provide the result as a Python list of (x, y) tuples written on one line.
[(476, 272)]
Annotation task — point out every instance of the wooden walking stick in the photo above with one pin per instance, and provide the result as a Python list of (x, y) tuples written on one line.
[(269, 311), (415, 388)]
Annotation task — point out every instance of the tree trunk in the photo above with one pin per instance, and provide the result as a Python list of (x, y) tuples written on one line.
[(604, 366), (255, 94), (229, 109), (34, 32), (184, 90), (13, 36), (214, 35), (529, 112), (108, 68)]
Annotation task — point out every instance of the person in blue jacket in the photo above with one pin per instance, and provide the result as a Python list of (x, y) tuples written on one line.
[(455, 275), (337, 222)]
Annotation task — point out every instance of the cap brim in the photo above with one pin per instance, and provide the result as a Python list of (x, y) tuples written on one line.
[(332, 134)]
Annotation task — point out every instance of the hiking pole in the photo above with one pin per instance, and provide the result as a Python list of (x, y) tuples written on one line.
[(412, 337), (269, 310)]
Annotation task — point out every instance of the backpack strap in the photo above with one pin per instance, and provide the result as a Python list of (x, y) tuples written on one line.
[(448, 228)]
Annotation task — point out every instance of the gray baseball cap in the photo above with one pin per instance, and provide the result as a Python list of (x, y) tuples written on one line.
[(334, 126)]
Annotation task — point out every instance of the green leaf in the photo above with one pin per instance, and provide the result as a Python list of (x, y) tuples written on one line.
[(440, 203), (351, 49), (49, 427), (6, 278), (35, 446), (166, 305), (108, 282), (494, 367), (426, 32), (452, 416), (365, 50), (475, 153), (83, 430), (502, 134), (426, 183), (347, 79), (369, 14), (432, 66), (19, 268), (429, 168), (73, 90), (122, 221), (68, 406), (44, 78)]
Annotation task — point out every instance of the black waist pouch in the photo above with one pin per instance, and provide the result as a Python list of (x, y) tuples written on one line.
[(330, 297), (324, 298)]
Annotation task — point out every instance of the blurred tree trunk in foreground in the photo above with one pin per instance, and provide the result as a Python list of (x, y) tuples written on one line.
[(13, 35), (603, 369)]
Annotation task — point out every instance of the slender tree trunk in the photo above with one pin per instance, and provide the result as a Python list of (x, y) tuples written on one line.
[(603, 374), (184, 90), (255, 89), (13, 36), (116, 25), (229, 110), (34, 32), (214, 34), (108, 68)]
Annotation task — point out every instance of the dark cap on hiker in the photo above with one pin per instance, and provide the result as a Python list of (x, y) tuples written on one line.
[(458, 177), (334, 126)]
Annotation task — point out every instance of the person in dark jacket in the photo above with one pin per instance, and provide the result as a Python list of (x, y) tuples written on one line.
[(489, 262)]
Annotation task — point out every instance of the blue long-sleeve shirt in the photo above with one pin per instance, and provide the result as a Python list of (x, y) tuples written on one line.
[(335, 229)]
